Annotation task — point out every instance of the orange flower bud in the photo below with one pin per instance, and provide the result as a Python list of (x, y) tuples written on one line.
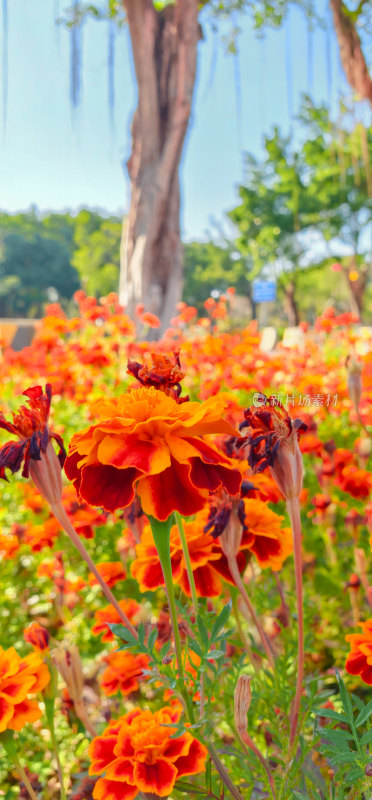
[(37, 636)]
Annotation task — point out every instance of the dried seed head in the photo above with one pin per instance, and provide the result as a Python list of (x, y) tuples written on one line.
[(68, 663), (242, 701)]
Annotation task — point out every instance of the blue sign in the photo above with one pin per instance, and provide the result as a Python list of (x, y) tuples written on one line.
[(264, 291)]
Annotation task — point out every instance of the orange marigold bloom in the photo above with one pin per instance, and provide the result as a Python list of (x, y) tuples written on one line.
[(111, 571), (36, 635), (83, 517), (137, 754), (18, 679), (150, 319), (9, 546), (146, 441), (109, 615), (124, 672), (357, 482), (359, 661), (262, 536), (207, 560), (43, 535)]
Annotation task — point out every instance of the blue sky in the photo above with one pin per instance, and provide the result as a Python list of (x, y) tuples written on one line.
[(57, 159)]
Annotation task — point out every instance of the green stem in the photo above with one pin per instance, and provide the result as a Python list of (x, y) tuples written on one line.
[(186, 556), (244, 640), (223, 773), (293, 507), (60, 514), (9, 746), (234, 570), (59, 765), (161, 534)]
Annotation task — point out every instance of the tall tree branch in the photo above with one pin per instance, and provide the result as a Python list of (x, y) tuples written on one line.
[(351, 53)]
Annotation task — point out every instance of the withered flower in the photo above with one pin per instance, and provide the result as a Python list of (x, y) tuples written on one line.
[(272, 441), (161, 373)]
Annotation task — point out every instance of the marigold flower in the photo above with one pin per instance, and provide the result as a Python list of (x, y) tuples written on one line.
[(111, 571), (137, 754), (273, 443), (357, 482), (30, 425), (20, 677), (38, 636), (124, 672), (145, 441), (261, 536), (83, 517), (207, 560), (43, 535), (150, 319), (107, 615), (264, 536), (359, 661), (9, 546)]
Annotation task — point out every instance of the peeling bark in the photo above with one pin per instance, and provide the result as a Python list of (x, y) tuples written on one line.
[(164, 48), (351, 53)]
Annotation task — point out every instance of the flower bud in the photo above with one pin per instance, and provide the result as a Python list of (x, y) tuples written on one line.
[(68, 663), (46, 475), (37, 636), (231, 536), (242, 701)]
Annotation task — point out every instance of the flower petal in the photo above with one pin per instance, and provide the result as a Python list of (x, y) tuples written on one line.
[(170, 491), (114, 790), (194, 761), (158, 777), (113, 487)]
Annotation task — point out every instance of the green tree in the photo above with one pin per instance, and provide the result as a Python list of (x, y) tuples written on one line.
[(96, 254), (211, 268), (33, 272), (302, 203)]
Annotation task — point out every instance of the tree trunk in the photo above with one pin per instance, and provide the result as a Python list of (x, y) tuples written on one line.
[(351, 53), (290, 304), (164, 45), (356, 288)]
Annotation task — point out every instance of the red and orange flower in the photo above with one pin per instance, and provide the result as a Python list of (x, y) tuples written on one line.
[(19, 678), (137, 754), (111, 571), (262, 536), (359, 660), (146, 442), (109, 615), (124, 672)]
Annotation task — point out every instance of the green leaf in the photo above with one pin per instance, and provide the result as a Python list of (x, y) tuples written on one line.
[(203, 632), (152, 639), (328, 712), (367, 737), (220, 622), (365, 713), (122, 632)]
